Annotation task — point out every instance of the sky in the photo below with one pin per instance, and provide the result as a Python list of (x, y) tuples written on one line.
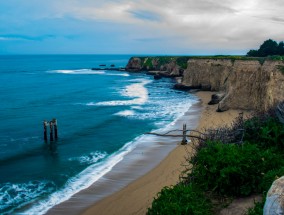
[(165, 27)]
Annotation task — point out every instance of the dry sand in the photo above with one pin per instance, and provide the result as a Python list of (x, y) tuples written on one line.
[(137, 196)]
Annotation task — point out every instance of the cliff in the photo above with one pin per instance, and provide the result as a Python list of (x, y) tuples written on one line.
[(245, 84), (164, 66), (248, 83)]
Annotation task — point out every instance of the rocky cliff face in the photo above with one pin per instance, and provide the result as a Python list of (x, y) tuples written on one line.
[(165, 66), (246, 84), (241, 84)]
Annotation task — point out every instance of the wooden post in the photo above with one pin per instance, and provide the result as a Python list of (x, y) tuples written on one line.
[(45, 130), (51, 131), (184, 140), (54, 121)]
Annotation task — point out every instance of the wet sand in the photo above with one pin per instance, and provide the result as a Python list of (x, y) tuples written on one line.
[(136, 197), (149, 151)]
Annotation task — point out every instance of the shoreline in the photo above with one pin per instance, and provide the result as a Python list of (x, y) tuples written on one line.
[(137, 196), (149, 151)]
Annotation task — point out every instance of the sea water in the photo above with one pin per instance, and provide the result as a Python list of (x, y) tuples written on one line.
[(101, 115)]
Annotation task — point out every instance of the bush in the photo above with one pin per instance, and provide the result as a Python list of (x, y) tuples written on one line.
[(234, 170), (180, 199), (226, 166), (265, 131)]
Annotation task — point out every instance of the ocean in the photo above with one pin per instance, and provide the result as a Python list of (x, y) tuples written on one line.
[(101, 117)]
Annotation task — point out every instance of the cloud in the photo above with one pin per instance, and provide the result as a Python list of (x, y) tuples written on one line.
[(185, 25), (25, 37), (145, 15)]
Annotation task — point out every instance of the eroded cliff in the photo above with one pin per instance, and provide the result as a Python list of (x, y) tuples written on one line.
[(246, 84), (165, 66), (249, 84)]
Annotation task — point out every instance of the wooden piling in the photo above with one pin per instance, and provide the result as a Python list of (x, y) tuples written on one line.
[(51, 131), (184, 140), (54, 121), (45, 130)]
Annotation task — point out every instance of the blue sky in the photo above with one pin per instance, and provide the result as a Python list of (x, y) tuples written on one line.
[(193, 27)]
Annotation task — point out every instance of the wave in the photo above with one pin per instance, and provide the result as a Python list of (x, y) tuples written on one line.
[(91, 158), (78, 72), (138, 91), (83, 180), (125, 113), (87, 72), (118, 74), (103, 163), (22, 194)]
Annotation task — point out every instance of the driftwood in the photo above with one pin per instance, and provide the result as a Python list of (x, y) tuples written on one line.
[(222, 135), (180, 135), (232, 134)]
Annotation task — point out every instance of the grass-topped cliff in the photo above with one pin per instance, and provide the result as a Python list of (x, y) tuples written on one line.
[(270, 50), (161, 63)]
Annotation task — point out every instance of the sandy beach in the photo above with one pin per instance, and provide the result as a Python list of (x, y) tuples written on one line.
[(136, 197)]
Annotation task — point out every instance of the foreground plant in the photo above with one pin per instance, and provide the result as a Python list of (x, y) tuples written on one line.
[(179, 200)]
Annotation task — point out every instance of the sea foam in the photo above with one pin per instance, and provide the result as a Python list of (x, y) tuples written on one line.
[(91, 158), (22, 194), (125, 113), (78, 72), (88, 72), (137, 91), (83, 180)]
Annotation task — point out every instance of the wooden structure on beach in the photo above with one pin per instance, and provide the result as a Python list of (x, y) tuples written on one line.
[(183, 135)]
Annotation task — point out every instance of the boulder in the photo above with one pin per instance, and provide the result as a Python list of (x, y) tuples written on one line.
[(216, 98), (182, 87), (274, 204)]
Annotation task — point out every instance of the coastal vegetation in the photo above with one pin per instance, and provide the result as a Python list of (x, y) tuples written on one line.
[(223, 169), (152, 63)]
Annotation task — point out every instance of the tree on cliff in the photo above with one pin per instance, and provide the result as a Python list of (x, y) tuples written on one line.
[(281, 48), (269, 47)]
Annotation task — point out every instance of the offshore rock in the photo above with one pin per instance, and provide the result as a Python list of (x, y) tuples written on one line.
[(274, 204)]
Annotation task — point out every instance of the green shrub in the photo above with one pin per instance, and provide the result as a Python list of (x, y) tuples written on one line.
[(265, 131), (180, 200), (182, 62), (230, 169)]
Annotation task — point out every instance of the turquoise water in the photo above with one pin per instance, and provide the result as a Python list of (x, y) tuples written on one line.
[(99, 115)]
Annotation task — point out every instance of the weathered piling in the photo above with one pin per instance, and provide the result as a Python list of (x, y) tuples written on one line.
[(184, 140), (45, 130), (54, 121), (51, 131)]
